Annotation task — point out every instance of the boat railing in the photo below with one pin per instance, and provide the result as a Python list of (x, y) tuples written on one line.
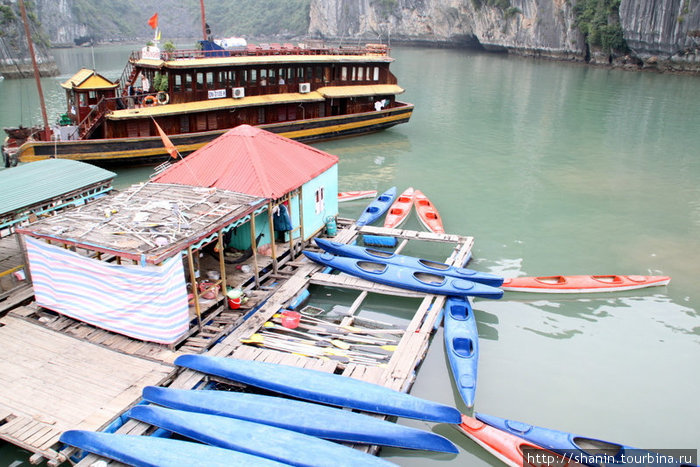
[(90, 121), (266, 50)]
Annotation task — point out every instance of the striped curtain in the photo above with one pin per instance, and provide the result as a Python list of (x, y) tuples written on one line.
[(144, 302)]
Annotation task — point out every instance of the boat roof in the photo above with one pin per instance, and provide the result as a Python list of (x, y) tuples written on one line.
[(251, 101), (88, 79), (148, 222), (213, 62), (251, 160), (37, 182)]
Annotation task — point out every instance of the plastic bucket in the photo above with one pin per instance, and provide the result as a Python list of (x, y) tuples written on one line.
[(290, 319), (234, 303)]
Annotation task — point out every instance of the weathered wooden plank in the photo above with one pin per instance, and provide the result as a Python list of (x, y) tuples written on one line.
[(356, 283)]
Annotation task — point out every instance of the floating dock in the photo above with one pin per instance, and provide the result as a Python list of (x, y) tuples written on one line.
[(64, 374)]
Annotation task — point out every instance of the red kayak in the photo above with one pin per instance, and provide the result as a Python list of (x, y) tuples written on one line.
[(353, 195), (428, 215), (510, 449), (399, 211), (582, 284)]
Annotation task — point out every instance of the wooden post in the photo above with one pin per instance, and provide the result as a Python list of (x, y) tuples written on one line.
[(222, 266), (254, 246), (291, 232), (273, 246), (195, 292), (301, 215)]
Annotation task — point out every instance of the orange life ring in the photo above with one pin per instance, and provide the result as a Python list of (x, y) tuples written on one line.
[(150, 100)]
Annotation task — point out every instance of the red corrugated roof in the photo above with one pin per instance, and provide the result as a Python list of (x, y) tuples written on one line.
[(249, 160)]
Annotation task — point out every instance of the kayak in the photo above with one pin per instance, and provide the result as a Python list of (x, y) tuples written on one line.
[(427, 213), (582, 284), (579, 448), (318, 386), (377, 207), (405, 277), (510, 449), (257, 439), (371, 254), (353, 195), (399, 211), (303, 417), (462, 345), (152, 451)]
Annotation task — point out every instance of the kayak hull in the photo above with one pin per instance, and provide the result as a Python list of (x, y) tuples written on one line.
[(353, 195), (377, 207), (303, 417), (326, 388), (371, 254), (582, 284), (427, 213), (462, 346), (256, 439), (151, 451), (399, 211), (405, 277)]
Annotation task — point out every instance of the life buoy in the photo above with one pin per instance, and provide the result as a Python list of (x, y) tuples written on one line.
[(162, 97), (150, 101)]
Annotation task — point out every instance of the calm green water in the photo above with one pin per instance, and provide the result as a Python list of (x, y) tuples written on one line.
[(554, 169)]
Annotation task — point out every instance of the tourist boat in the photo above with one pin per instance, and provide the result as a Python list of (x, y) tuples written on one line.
[(377, 207), (587, 451), (462, 344), (405, 277), (427, 213), (510, 449), (399, 211), (301, 92), (318, 386), (582, 284), (353, 195), (304, 417), (371, 254)]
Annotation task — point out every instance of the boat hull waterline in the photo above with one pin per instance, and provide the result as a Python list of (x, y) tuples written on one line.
[(405, 277), (304, 417), (582, 284), (377, 207), (256, 439), (372, 254), (325, 388), (462, 346)]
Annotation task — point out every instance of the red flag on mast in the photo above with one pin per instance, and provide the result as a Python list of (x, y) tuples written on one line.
[(169, 146), (153, 22)]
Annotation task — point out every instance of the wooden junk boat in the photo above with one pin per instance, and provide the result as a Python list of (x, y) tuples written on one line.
[(304, 93)]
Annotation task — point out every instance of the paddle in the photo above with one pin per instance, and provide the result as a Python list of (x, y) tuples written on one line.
[(349, 328), (335, 342), (319, 329), (376, 352)]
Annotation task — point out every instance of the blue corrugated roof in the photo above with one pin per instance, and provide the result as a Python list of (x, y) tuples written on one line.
[(40, 181)]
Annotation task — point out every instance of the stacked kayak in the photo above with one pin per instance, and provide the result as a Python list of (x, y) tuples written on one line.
[(427, 213), (582, 284), (399, 211), (353, 195), (377, 207), (404, 277), (462, 346), (371, 254)]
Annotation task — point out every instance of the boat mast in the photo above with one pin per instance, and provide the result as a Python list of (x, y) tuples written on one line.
[(204, 21), (37, 78)]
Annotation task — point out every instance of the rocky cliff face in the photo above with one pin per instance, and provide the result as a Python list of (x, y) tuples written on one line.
[(59, 22), (657, 31)]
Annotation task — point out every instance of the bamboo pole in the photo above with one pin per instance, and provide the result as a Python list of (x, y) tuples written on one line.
[(222, 267), (195, 292), (254, 246), (273, 246), (291, 232)]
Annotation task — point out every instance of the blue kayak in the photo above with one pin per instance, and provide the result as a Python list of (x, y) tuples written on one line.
[(588, 451), (462, 344), (256, 439), (151, 451), (405, 277), (371, 254), (377, 207), (318, 386), (303, 417)]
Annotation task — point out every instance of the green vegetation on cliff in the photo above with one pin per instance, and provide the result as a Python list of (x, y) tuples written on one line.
[(599, 21)]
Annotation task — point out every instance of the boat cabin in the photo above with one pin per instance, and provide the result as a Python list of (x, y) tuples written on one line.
[(84, 91)]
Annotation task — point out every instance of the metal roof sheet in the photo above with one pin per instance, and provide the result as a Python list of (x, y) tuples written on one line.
[(357, 91), (250, 160), (214, 104), (40, 181)]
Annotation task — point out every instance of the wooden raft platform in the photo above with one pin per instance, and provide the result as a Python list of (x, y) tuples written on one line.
[(58, 383)]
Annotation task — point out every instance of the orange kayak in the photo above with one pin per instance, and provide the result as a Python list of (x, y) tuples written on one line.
[(399, 211), (582, 284), (353, 195), (428, 215), (510, 449)]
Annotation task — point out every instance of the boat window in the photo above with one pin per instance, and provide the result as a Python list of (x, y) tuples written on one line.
[(327, 74), (300, 73), (263, 77), (82, 100), (253, 76), (320, 201), (200, 80), (344, 73), (309, 74), (318, 73), (177, 86), (376, 73), (290, 75), (210, 80), (360, 74), (353, 74), (92, 95), (272, 77), (368, 72), (188, 82)]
